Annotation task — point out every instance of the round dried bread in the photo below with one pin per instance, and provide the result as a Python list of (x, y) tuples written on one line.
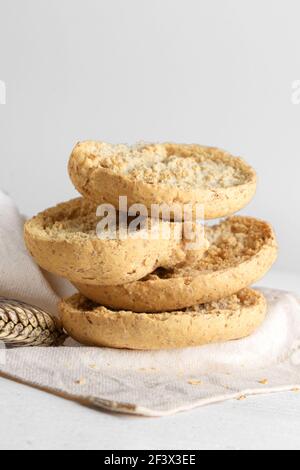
[(64, 240), (170, 174), (242, 250), (231, 318)]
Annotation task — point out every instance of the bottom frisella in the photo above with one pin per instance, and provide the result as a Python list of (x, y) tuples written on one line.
[(231, 318)]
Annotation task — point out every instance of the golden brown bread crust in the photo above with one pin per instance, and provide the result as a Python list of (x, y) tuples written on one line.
[(235, 317), (63, 240), (163, 174), (242, 250)]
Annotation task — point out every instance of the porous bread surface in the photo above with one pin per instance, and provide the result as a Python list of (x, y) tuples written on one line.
[(64, 241), (230, 318), (70, 221), (163, 173), (242, 250), (232, 242), (168, 165), (78, 219)]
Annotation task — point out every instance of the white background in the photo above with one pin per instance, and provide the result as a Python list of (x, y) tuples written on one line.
[(217, 72)]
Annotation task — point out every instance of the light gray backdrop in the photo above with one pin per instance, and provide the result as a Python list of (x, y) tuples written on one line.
[(218, 72)]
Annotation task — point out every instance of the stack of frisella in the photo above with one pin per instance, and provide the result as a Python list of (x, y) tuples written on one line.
[(144, 282)]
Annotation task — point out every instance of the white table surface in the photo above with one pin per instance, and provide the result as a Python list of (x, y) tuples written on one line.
[(31, 419)]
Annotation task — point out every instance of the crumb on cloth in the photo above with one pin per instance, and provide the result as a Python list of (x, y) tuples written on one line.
[(263, 382), (80, 381), (194, 382), (242, 398)]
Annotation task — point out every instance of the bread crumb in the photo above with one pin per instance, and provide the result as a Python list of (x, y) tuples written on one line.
[(92, 366), (263, 382), (242, 397), (195, 382), (296, 390), (81, 381)]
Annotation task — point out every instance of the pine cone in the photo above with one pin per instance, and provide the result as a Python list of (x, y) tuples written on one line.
[(24, 325)]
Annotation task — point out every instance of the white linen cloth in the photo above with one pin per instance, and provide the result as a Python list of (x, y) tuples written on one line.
[(146, 383)]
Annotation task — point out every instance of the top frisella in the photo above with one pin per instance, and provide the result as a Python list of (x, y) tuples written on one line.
[(169, 180)]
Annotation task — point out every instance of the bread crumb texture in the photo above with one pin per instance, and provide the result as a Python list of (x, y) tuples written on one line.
[(78, 219), (232, 242), (186, 166), (68, 241)]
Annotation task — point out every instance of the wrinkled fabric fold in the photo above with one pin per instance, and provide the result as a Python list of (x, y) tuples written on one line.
[(20, 278)]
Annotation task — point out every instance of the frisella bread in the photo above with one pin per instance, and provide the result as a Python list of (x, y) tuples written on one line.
[(231, 318), (65, 241), (163, 174), (167, 283), (242, 250)]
